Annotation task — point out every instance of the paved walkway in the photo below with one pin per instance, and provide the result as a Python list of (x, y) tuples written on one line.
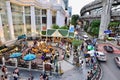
[(71, 72)]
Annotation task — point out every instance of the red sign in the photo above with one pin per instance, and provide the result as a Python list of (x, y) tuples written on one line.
[(44, 28)]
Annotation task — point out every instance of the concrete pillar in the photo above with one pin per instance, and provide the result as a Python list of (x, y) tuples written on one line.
[(10, 21), (105, 17), (2, 38), (40, 19), (33, 24), (58, 18), (49, 19), (63, 19), (3, 60), (24, 21)]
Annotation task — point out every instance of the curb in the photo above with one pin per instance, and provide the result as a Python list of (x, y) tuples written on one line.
[(101, 73)]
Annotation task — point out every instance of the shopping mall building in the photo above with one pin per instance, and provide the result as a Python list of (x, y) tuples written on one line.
[(29, 17)]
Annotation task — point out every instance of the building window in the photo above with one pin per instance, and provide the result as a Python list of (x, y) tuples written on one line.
[(28, 19), (27, 9), (17, 16), (43, 11), (53, 19), (44, 20)]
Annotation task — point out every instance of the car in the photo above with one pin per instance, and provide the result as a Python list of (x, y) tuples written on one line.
[(117, 61), (109, 49), (85, 37), (100, 56)]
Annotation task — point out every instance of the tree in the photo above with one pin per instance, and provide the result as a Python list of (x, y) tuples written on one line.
[(94, 27), (113, 24), (114, 27), (76, 43), (74, 19)]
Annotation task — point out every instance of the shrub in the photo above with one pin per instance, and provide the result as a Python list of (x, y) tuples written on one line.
[(64, 27), (54, 26)]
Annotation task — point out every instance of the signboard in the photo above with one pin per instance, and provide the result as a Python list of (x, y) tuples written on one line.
[(71, 29), (107, 31), (44, 28)]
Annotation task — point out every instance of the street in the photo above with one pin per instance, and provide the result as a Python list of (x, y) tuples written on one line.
[(110, 69)]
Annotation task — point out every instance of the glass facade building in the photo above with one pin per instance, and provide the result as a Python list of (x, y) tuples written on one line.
[(29, 17)]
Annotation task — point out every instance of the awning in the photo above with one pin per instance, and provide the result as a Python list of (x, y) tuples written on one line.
[(56, 34)]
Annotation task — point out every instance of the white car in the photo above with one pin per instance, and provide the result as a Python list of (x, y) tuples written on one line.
[(85, 37), (117, 61), (101, 56)]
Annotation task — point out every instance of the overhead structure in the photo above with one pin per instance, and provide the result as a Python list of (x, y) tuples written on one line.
[(104, 10)]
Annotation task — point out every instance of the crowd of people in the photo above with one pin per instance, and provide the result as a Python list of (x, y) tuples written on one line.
[(6, 73), (90, 60), (52, 60), (15, 75)]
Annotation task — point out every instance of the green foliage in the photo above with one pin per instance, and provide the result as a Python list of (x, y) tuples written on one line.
[(64, 27), (86, 27), (95, 23), (113, 24), (76, 43), (54, 26), (74, 19), (94, 27), (43, 32)]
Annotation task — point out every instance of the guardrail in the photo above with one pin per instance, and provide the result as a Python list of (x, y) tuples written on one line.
[(10, 42), (97, 75)]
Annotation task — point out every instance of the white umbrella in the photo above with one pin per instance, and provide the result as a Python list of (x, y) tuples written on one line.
[(91, 52)]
